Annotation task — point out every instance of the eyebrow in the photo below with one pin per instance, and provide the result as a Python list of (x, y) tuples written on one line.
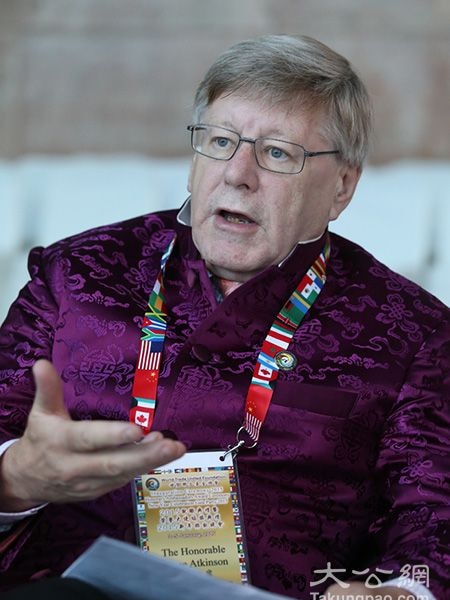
[(275, 134)]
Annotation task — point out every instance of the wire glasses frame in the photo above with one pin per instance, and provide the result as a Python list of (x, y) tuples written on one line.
[(271, 154)]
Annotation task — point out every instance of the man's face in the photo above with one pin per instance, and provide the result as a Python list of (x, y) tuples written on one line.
[(245, 218)]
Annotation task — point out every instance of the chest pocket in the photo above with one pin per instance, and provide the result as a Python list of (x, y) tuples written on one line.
[(317, 399), (314, 426)]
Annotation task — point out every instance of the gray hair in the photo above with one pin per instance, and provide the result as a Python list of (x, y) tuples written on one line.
[(288, 70)]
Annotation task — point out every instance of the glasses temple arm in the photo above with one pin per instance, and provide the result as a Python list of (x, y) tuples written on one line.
[(311, 154)]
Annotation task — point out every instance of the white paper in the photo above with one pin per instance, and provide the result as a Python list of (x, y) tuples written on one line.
[(122, 570)]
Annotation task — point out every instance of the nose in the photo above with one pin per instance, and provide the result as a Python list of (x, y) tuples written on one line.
[(242, 170)]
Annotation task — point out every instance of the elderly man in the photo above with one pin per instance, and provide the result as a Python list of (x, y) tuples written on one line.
[(329, 370)]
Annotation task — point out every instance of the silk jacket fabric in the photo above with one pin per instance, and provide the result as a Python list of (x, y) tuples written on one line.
[(352, 464)]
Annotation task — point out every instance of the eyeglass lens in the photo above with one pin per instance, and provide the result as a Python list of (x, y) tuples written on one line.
[(271, 154)]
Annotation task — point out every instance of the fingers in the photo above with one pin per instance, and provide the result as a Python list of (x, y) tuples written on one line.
[(143, 457), (89, 436), (125, 462), (60, 460), (93, 474), (36, 473), (90, 449), (80, 436), (49, 396)]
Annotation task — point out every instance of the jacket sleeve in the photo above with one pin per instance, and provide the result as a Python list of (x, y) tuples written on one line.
[(413, 467), (26, 335)]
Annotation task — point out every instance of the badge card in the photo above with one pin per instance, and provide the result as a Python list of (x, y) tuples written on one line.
[(189, 511)]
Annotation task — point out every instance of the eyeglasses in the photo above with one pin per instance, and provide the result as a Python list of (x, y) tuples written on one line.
[(271, 154)]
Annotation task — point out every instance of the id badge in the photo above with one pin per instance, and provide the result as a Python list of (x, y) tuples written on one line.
[(189, 511)]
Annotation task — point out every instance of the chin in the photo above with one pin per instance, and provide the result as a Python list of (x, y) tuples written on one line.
[(221, 259)]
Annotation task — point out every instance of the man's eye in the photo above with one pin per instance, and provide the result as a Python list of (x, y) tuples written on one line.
[(222, 142), (276, 153)]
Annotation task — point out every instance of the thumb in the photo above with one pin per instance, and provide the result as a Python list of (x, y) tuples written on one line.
[(49, 397)]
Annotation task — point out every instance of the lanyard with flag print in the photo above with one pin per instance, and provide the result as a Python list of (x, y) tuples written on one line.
[(272, 357), (151, 346), (274, 354)]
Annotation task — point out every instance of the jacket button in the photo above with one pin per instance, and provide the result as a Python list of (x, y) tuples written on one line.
[(201, 353)]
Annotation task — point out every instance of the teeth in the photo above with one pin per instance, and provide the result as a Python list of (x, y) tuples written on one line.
[(232, 219)]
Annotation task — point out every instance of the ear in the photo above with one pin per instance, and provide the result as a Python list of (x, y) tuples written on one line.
[(348, 178)]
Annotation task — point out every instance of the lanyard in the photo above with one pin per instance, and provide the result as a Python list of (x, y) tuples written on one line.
[(153, 332), (274, 353), (270, 359)]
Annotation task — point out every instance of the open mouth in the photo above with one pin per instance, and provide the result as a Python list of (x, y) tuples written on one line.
[(235, 217)]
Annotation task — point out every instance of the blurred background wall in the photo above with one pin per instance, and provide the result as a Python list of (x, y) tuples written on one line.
[(95, 96), (118, 75)]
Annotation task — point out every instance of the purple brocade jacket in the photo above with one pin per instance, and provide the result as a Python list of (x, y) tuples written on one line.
[(352, 464)]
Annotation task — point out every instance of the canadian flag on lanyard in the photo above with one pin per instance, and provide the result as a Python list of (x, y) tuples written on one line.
[(141, 418)]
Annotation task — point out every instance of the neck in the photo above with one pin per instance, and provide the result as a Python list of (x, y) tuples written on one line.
[(227, 274), (226, 286)]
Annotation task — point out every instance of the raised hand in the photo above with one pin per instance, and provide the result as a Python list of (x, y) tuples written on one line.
[(61, 460)]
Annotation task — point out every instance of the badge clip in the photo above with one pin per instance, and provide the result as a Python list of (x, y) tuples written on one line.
[(233, 450)]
